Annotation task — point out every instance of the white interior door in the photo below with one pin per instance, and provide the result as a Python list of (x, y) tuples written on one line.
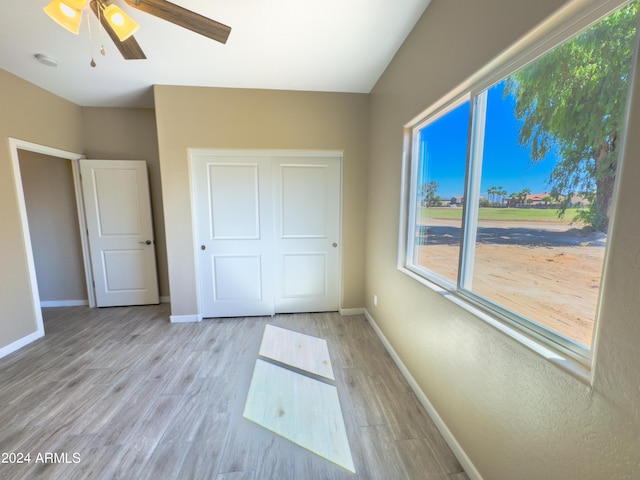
[(267, 233), (118, 212), (307, 225), (235, 235)]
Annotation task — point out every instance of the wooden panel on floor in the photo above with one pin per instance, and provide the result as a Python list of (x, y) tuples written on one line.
[(296, 349), (300, 409)]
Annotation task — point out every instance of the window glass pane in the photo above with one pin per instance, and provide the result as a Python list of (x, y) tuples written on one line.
[(439, 192), (548, 174)]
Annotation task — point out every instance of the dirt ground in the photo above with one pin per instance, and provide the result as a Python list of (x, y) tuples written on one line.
[(548, 272)]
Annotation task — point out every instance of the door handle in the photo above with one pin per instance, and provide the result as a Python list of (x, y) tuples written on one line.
[(146, 242)]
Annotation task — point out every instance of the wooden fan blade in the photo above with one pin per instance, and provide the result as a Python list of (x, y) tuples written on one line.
[(129, 49), (184, 18)]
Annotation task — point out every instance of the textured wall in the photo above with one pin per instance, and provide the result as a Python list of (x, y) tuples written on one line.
[(515, 415)]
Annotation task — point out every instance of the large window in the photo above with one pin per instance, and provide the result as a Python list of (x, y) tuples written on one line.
[(512, 183)]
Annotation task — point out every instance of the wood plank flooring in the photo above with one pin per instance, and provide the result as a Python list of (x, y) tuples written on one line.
[(136, 398)]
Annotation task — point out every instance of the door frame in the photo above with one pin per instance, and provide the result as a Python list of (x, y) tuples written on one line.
[(14, 146), (196, 152)]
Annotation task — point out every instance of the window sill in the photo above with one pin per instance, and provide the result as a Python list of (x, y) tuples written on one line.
[(565, 362)]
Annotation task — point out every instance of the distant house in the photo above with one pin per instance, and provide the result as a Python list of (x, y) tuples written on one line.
[(535, 199), (530, 200)]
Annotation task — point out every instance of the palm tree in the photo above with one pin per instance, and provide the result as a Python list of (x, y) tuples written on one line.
[(502, 193), (491, 192), (522, 195)]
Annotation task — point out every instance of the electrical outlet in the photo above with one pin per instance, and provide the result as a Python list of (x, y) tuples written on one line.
[(375, 300)]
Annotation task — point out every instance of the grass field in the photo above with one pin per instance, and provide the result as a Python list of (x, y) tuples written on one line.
[(517, 214)]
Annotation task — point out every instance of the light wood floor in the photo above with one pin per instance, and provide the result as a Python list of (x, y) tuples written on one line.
[(139, 398)]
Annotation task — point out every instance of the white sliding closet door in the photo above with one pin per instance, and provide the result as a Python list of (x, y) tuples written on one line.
[(307, 226), (234, 224), (267, 233)]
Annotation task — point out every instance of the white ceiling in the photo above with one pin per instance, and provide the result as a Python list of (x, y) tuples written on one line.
[(316, 45)]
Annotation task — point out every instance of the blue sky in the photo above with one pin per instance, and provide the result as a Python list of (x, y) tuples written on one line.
[(505, 163)]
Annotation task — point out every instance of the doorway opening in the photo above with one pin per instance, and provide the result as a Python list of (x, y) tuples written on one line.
[(27, 148), (54, 229)]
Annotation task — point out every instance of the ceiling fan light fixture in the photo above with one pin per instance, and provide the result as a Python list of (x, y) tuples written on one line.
[(76, 4), (65, 14), (120, 22)]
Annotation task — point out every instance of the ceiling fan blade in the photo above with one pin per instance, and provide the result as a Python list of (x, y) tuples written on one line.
[(129, 49), (184, 18)]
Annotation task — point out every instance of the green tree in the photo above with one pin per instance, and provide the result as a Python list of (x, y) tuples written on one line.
[(496, 195), (522, 195), (428, 193), (491, 193), (502, 193), (571, 102), (499, 194)]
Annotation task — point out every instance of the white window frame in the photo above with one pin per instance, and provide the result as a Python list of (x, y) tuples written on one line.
[(413, 187), (564, 24)]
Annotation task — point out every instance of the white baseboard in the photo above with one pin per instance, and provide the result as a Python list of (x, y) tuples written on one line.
[(81, 303), (185, 318), (352, 311), (63, 303), (456, 448), (18, 344)]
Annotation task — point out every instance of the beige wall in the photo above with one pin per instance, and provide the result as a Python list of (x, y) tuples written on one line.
[(190, 117), (130, 134), (515, 415), (50, 200), (31, 114)]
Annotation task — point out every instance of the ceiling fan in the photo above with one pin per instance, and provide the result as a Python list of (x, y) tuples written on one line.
[(120, 27)]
